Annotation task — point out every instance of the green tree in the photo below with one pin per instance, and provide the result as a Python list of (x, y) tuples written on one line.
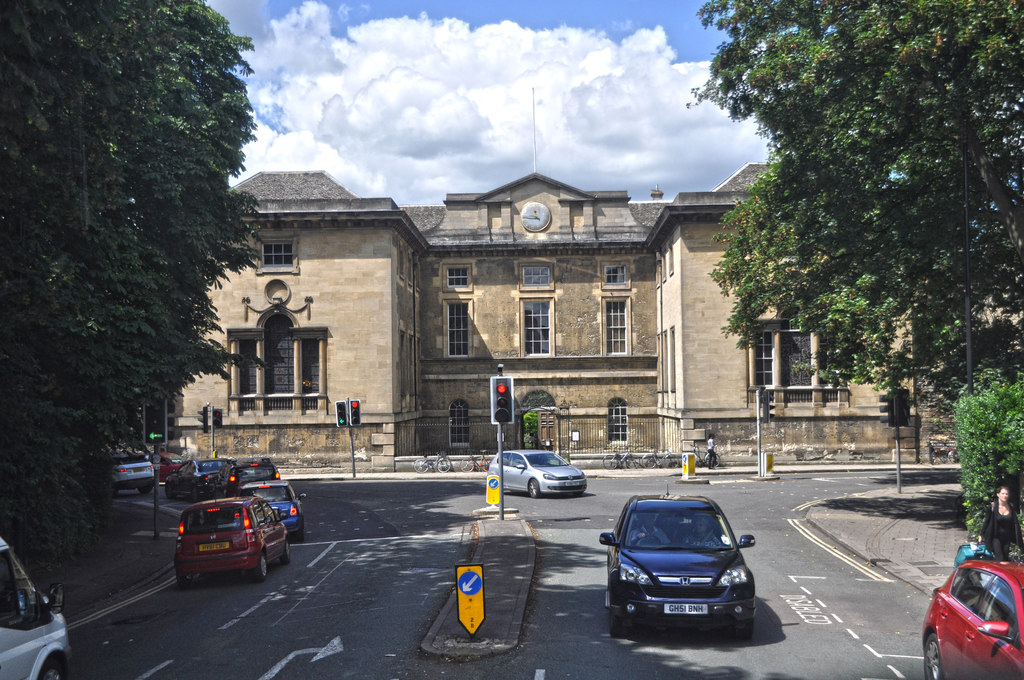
[(990, 441), (856, 229), (120, 126)]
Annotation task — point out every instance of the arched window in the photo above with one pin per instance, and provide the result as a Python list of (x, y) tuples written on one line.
[(458, 424), (618, 423), (280, 375)]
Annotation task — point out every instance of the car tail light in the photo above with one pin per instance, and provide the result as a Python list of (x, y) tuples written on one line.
[(277, 475), (250, 535), (293, 511)]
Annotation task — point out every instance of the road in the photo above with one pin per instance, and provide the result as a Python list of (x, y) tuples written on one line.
[(379, 562)]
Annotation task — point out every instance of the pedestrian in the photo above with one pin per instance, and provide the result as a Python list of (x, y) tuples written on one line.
[(1002, 526), (711, 443)]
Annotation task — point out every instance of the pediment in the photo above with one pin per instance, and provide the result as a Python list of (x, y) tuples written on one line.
[(532, 184)]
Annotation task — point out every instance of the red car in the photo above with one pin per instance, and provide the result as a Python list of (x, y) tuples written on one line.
[(230, 534), (168, 465), (972, 629)]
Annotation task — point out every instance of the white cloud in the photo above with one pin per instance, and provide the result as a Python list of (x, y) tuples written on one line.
[(413, 108)]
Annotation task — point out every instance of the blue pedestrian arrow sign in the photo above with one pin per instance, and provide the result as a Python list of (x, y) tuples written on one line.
[(469, 580)]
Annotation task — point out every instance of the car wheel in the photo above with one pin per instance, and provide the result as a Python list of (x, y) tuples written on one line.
[(617, 627), (259, 572), (184, 581), (533, 488), (933, 659), (51, 670), (744, 631), (193, 495), (300, 534), (167, 490), (286, 556)]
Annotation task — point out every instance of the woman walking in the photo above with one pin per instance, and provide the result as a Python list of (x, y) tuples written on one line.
[(1002, 526)]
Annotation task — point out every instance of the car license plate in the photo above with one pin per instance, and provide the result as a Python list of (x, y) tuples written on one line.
[(686, 609), (220, 545)]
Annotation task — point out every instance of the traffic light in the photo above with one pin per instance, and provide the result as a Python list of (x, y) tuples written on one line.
[(502, 400), (767, 407), (154, 424), (887, 407), (353, 412), (901, 408), (218, 417), (205, 417), (341, 408)]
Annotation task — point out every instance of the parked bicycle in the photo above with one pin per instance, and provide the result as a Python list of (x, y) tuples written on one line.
[(474, 463), (439, 462), (708, 459), (621, 460), (662, 460)]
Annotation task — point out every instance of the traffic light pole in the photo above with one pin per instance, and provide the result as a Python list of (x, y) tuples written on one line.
[(352, 447), (501, 476), (761, 472)]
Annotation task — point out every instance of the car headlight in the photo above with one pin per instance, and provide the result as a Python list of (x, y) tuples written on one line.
[(734, 576), (550, 477), (632, 574)]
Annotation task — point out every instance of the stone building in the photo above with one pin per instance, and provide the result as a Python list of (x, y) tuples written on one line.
[(601, 309)]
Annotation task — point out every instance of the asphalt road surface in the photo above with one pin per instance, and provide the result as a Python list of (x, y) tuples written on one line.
[(379, 561)]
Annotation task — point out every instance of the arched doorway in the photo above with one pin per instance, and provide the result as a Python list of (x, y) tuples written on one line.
[(546, 434)]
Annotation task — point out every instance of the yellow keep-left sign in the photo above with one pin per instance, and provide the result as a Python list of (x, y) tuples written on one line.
[(469, 587), (493, 490)]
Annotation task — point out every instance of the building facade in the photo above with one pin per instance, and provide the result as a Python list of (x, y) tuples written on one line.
[(601, 308)]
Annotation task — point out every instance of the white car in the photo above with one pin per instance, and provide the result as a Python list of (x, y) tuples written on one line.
[(132, 471), (33, 634), (539, 472)]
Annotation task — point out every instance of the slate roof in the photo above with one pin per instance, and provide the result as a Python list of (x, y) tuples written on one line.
[(742, 178), (284, 186)]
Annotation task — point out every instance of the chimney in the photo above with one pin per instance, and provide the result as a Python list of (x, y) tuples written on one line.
[(657, 194)]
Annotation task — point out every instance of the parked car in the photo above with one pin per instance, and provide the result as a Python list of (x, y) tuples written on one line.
[(33, 634), (282, 497), (247, 470), (132, 471), (539, 472), (674, 561), (196, 479), (972, 628), (168, 465), (229, 534)]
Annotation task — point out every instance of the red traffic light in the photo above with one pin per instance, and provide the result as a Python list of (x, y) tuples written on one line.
[(501, 388)]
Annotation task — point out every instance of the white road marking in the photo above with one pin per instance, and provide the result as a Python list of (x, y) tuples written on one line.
[(153, 670)]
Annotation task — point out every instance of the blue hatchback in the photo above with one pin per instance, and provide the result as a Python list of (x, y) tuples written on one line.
[(674, 561), (283, 498)]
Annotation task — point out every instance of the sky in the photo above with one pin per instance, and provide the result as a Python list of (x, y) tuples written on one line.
[(414, 100)]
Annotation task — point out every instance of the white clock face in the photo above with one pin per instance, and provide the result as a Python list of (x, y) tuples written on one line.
[(535, 216)]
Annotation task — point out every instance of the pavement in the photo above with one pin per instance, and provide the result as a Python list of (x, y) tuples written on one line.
[(911, 533)]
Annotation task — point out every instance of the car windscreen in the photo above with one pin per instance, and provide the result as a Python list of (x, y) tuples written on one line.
[(545, 460), (271, 493), (216, 518), (254, 474), (209, 465), (671, 529)]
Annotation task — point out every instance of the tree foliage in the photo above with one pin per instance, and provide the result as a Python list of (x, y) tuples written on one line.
[(990, 441), (856, 230), (120, 126)]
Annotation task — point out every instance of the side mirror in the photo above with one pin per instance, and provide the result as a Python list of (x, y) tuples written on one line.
[(56, 597), (996, 629), (608, 538), (747, 541), (301, 496), (520, 466)]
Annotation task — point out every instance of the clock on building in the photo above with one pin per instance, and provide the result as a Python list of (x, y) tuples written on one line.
[(535, 216)]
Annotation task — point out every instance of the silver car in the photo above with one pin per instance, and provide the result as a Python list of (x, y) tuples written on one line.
[(539, 472)]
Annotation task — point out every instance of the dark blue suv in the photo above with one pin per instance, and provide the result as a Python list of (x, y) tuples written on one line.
[(674, 561)]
